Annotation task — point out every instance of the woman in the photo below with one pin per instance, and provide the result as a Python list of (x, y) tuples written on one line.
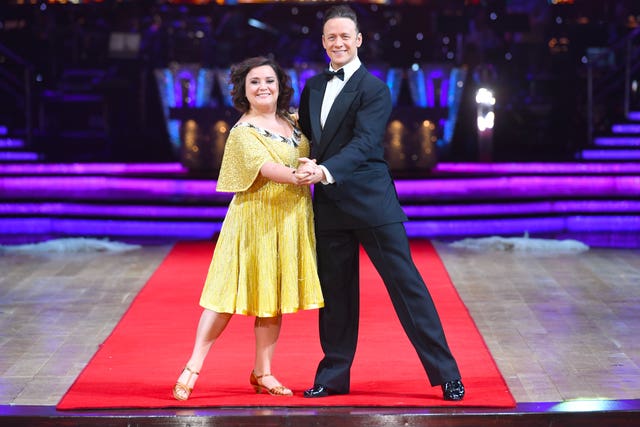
[(264, 263)]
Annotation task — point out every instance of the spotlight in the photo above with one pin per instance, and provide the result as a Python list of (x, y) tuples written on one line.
[(485, 119), (485, 96), (485, 122)]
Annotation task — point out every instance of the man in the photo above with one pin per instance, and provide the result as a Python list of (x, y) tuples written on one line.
[(345, 116)]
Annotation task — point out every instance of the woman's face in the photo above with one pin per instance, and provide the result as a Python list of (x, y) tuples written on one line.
[(261, 88)]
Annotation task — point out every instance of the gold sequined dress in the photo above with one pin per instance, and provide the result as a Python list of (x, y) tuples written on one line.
[(264, 262)]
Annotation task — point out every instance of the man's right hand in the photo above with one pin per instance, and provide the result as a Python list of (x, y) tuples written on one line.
[(309, 166)]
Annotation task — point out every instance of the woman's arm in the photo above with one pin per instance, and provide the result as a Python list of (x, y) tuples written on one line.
[(280, 173)]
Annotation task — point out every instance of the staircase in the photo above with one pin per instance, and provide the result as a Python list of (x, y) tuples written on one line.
[(594, 202), (16, 108), (613, 74), (593, 199), (620, 144), (14, 148)]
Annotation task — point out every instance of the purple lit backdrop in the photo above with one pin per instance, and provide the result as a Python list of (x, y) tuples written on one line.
[(94, 187), (91, 168), (628, 228), (440, 168), (460, 199), (538, 168), (560, 207)]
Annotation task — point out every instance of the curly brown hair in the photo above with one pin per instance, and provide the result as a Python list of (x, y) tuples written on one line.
[(238, 77)]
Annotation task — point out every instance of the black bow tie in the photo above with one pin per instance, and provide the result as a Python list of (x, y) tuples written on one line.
[(330, 74)]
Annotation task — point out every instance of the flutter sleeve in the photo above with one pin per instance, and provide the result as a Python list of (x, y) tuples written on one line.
[(244, 154)]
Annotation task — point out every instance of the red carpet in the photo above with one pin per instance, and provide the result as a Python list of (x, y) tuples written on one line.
[(138, 364)]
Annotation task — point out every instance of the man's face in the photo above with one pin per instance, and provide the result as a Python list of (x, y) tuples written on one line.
[(341, 41)]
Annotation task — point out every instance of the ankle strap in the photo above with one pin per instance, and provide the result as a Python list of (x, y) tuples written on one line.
[(262, 376), (191, 370)]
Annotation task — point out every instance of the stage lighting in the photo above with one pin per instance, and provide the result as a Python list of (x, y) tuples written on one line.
[(485, 102)]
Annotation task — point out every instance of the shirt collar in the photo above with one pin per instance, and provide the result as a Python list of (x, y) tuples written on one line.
[(349, 68)]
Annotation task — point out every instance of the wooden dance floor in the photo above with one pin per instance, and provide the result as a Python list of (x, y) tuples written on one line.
[(562, 329)]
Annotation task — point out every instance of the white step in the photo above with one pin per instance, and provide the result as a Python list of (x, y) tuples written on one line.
[(617, 141), (634, 115), (19, 156), (12, 143), (594, 154), (626, 128)]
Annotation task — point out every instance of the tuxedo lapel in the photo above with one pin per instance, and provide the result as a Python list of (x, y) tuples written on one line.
[(334, 119), (336, 114), (315, 105)]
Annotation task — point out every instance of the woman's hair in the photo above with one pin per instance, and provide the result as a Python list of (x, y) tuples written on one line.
[(238, 78), (340, 11)]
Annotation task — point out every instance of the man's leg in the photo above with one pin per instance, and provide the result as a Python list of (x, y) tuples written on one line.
[(389, 251), (338, 268)]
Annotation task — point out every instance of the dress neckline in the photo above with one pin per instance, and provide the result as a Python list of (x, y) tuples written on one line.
[(294, 139)]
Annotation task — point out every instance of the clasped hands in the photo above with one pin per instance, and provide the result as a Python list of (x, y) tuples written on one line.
[(308, 172)]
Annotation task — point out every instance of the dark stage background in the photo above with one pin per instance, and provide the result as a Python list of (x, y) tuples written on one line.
[(84, 81)]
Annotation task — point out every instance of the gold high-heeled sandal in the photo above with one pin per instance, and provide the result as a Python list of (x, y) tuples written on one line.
[(182, 391), (279, 390)]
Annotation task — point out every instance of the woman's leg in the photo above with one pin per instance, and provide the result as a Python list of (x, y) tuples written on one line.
[(267, 331), (209, 329)]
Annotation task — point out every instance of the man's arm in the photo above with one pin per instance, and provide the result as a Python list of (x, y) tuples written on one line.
[(369, 127)]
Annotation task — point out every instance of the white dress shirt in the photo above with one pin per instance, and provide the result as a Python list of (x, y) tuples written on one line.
[(334, 86)]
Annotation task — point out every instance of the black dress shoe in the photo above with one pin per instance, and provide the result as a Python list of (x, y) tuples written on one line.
[(453, 390), (318, 390)]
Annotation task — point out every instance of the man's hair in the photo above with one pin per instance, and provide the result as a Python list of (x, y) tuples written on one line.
[(341, 11)]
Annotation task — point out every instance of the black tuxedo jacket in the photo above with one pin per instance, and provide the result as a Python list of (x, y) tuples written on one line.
[(351, 147)]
